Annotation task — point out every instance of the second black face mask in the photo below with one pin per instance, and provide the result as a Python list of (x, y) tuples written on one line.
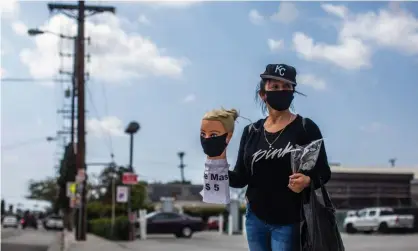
[(279, 100), (214, 146)]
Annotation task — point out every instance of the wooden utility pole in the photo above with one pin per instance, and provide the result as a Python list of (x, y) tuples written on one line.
[(81, 10)]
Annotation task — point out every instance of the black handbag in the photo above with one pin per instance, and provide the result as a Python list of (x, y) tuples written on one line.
[(319, 230)]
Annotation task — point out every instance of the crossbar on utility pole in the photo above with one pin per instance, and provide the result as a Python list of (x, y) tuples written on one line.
[(81, 8), (94, 8)]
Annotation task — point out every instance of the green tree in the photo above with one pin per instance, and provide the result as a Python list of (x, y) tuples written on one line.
[(113, 171), (67, 173), (45, 189)]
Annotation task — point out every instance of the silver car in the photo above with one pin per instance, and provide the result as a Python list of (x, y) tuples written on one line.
[(10, 221)]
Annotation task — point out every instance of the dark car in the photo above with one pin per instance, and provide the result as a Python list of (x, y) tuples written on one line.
[(29, 220), (181, 225)]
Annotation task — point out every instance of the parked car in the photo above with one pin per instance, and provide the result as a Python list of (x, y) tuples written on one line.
[(54, 222), (377, 219), (411, 211), (351, 213), (10, 221), (181, 225), (29, 220), (213, 223)]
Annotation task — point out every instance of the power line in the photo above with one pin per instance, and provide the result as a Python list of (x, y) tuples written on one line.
[(106, 112), (46, 80), (23, 143), (109, 142)]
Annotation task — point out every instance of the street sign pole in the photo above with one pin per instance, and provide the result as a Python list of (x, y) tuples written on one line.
[(113, 203), (129, 212), (130, 179)]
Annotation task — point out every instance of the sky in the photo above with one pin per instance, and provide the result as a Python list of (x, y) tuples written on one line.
[(164, 64)]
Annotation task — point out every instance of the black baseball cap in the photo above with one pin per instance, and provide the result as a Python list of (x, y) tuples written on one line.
[(282, 72)]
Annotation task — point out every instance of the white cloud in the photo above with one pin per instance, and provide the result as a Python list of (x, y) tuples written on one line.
[(189, 98), (387, 28), (349, 53), (275, 45), (9, 8), (337, 10), (144, 20), (255, 17), (107, 125), (171, 3), (116, 55), (287, 13), (20, 28), (312, 81)]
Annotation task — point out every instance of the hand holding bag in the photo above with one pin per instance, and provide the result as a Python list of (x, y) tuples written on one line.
[(319, 230)]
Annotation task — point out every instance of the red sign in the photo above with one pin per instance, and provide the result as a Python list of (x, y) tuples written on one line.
[(129, 179)]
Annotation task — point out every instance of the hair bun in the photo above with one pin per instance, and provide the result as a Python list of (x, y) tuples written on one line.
[(234, 113)]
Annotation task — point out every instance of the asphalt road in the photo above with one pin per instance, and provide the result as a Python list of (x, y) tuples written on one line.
[(208, 241), (8, 232), (25, 240)]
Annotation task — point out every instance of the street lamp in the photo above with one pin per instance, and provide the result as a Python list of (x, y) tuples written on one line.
[(68, 93), (49, 139), (132, 128), (36, 32)]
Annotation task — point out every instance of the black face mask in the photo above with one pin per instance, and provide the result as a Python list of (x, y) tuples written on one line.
[(214, 146), (279, 100)]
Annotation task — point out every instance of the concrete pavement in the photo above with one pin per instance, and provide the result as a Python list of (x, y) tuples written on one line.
[(376, 242), (8, 232), (26, 240), (209, 241), (93, 243)]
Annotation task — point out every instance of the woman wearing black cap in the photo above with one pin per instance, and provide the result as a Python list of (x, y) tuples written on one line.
[(264, 164)]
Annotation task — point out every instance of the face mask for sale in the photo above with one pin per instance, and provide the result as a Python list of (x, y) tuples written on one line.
[(279, 100), (216, 182), (214, 146)]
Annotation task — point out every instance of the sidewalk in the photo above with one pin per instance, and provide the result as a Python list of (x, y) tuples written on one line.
[(205, 241), (93, 243)]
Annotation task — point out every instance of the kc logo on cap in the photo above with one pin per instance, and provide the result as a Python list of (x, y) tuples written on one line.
[(280, 69), (282, 72)]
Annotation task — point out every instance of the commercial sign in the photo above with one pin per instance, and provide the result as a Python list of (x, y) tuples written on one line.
[(129, 178)]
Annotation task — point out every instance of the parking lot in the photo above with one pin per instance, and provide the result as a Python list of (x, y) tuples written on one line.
[(209, 241)]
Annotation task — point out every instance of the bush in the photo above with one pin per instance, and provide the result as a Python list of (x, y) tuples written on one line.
[(97, 210), (103, 228)]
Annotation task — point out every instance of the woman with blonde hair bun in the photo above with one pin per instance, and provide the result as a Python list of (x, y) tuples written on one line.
[(216, 132)]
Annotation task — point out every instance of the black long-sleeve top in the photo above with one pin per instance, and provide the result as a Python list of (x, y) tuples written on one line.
[(266, 170)]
